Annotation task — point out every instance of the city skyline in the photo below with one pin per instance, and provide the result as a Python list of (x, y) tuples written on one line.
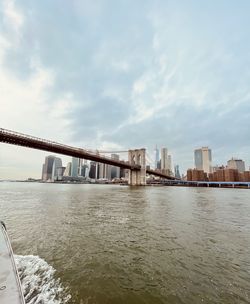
[(168, 76), (202, 163), (53, 169)]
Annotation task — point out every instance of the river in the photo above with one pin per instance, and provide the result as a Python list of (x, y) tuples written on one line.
[(108, 244)]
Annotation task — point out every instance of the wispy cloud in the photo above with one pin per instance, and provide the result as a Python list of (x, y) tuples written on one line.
[(123, 74), (12, 17)]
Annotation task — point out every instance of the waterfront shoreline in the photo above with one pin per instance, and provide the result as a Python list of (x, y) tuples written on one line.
[(170, 184)]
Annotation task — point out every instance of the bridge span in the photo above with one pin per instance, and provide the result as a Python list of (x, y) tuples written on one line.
[(136, 165)]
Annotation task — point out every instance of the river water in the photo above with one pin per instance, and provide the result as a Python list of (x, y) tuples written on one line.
[(114, 244)]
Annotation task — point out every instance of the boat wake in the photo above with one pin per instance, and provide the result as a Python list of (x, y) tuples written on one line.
[(39, 284)]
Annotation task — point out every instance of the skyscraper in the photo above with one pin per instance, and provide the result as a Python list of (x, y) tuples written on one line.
[(43, 172), (177, 171), (50, 166), (115, 171), (76, 167), (156, 157), (56, 164), (169, 164), (79, 167), (107, 171), (67, 171), (103, 169), (164, 158), (59, 173), (84, 170), (203, 159), (238, 164), (93, 170)]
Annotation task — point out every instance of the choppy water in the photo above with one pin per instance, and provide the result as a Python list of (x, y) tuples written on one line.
[(38, 281), (112, 244)]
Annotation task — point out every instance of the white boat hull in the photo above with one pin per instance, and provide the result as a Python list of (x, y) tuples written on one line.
[(10, 286)]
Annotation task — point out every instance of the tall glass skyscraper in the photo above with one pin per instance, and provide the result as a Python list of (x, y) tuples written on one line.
[(156, 157), (177, 171), (115, 171), (57, 164), (164, 159), (203, 159), (75, 167), (50, 166), (169, 165)]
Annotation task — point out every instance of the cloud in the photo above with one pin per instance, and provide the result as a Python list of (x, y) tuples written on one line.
[(26, 105), (125, 75), (11, 16)]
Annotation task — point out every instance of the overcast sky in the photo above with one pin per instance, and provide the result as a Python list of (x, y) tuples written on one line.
[(114, 74)]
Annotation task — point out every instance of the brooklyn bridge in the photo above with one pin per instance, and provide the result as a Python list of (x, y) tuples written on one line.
[(136, 158)]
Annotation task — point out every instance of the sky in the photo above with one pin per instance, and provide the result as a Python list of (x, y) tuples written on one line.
[(124, 74)]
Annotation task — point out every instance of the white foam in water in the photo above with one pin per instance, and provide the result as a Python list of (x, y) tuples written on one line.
[(38, 281)]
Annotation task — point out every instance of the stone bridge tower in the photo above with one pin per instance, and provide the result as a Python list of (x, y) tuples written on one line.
[(137, 177)]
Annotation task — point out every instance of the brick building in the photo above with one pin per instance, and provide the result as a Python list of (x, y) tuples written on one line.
[(220, 175), (196, 175)]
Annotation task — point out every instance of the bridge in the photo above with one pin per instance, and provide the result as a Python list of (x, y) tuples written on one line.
[(136, 158)]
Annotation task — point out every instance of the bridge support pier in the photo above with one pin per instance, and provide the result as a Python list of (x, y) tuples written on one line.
[(137, 177)]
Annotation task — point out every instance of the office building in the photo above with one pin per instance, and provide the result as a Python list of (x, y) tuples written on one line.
[(169, 164), (103, 171), (237, 164), (43, 172), (47, 168), (203, 159), (84, 170), (115, 171), (56, 164), (50, 167), (177, 171), (67, 171), (156, 157), (93, 170), (79, 168), (164, 159), (59, 172), (107, 171), (158, 165), (75, 165)]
